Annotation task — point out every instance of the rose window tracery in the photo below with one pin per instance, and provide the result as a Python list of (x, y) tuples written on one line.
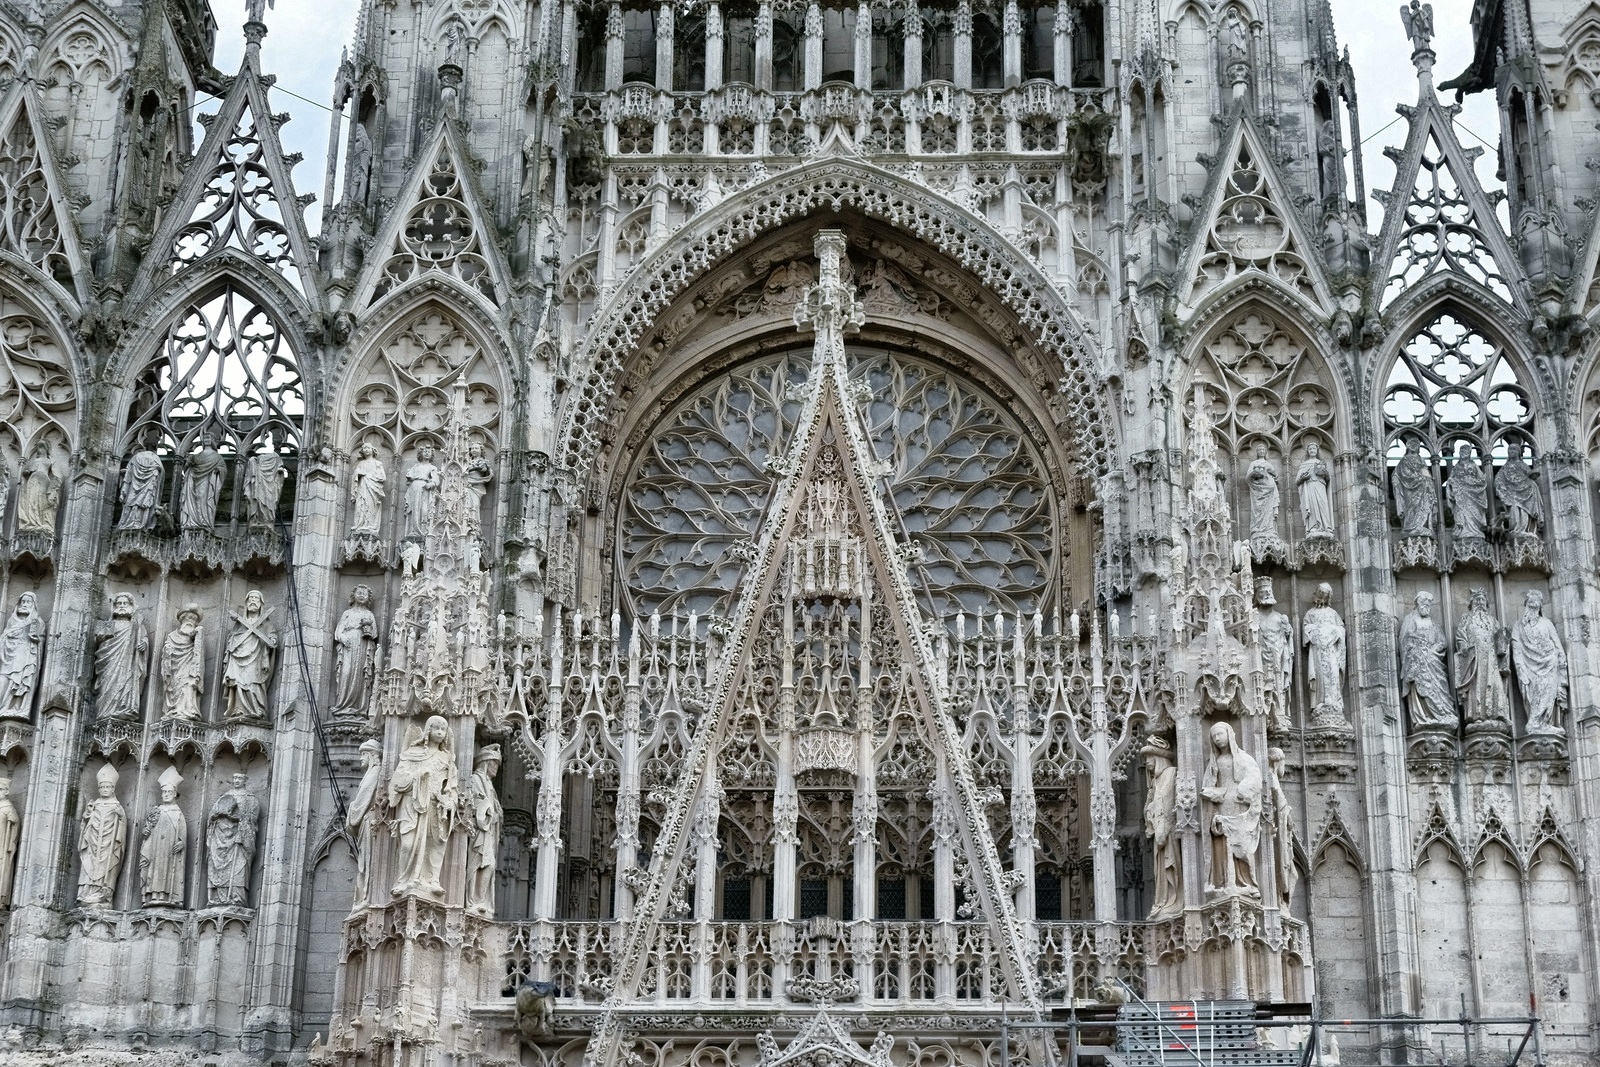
[(966, 484)]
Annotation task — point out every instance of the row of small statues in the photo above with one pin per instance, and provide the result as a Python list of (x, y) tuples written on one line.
[(1466, 490), (122, 661), (200, 487), (426, 804), (369, 480), (1485, 651), (1238, 798), (231, 830)]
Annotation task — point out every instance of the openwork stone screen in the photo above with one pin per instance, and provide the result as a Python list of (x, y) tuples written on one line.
[(961, 474), (1451, 384)]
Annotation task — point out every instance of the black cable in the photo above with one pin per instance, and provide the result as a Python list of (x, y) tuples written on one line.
[(305, 675)]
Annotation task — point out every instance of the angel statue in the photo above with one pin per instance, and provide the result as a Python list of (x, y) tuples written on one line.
[(1418, 20)]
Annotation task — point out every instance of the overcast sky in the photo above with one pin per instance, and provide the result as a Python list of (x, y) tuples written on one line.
[(305, 37)]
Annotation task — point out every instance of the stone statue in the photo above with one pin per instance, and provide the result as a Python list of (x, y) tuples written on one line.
[(1480, 664), (21, 643), (424, 795), (202, 486), (1233, 784), (166, 837), (484, 820), (247, 670), (39, 496), (360, 161), (183, 666), (1424, 685), (1265, 499), (478, 476), (1328, 158), (255, 10), (102, 839), (1316, 505), (1418, 21), (1468, 493), (367, 493), (361, 818), (1161, 826), (264, 476), (231, 843), (141, 490), (1541, 665), (10, 837), (1414, 499), (1324, 633), (1238, 42), (355, 640), (1277, 653), (1282, 829), (1521, 509), (121, 661), (422, 487)]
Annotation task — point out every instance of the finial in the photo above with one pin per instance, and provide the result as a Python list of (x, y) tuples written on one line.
[(255, 26), (1417, 18)]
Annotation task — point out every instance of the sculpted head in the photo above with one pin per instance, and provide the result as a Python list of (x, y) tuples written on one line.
[(26, 604), (189, 618), (1221, 735), (253, 601), (425, 453), (1313, 450), (1424, 603), (1478, 599), (1533, 601), (239, 779), (1323, 596), (371, 753), (122, 605), (367, 451), (361, 596), (436, 731)]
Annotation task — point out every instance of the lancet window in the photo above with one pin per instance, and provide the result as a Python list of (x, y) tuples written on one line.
[(1269, 394), (225, 380), (964, 477), (1452, 385), (31, 226)]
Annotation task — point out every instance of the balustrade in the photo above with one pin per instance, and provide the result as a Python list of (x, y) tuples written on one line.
[(892, 963)]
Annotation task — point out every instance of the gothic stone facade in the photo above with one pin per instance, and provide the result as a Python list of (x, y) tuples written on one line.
[(793, 530)]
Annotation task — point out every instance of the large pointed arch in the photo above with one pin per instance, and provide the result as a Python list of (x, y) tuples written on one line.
[(1046, 318)]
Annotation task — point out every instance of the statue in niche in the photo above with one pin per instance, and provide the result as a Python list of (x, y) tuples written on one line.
[(121, 660), (1414, 499), (1328, 158), (264, 477), (367, 492), (247, 671), (1277, 654), (1316, 503), (166, 837), (141, 490), (424, 795), (202, 486), (484, 820), (10, 837), (1424, 685), (1325, 658), (478, 475), (1521, 510), (355, 640), (1282, 829), (361, 818), (1233, 784), (21, 643), (1468, 493), (39, 496), (102, 839), (231, 843), (183, 666), (1481, 664), (1265, 499), (422, 487), (1238, 41), (1161, 826), (1541, 665)]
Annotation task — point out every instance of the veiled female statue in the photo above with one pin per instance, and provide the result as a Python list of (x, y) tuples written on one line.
[(1468, 491), (424, 793), (1234, 784)]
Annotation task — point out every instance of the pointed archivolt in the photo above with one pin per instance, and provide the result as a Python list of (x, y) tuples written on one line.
[(441, 229), (1438, 219), (828, 593), (1248, 225), (241, 198), (34, 222)]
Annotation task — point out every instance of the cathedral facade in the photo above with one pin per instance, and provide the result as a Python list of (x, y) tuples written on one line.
[(796, 531)]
